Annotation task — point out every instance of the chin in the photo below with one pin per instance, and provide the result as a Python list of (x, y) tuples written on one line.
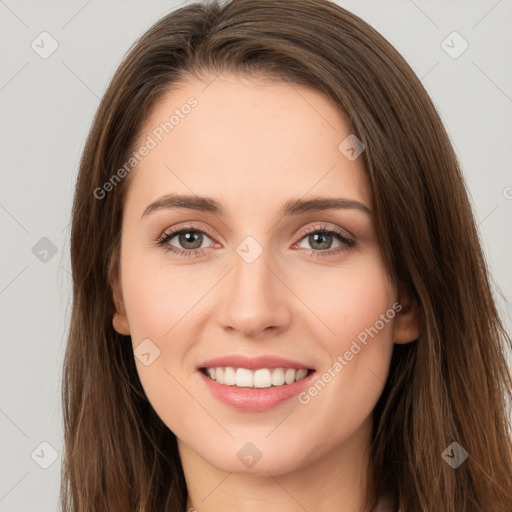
[(253, 458)]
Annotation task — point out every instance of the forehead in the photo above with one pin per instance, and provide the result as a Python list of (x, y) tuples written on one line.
[(246, 138)]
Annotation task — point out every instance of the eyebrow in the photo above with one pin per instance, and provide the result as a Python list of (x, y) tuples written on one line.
[(290, 208)]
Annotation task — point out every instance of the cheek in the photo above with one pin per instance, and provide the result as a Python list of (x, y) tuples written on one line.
[(357, 315), (349, 299), (159, 306), (157, 297)]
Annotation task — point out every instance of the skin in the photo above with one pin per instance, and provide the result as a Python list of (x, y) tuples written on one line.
[(252, 144)]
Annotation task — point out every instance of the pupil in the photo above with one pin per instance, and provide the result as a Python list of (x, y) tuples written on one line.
[(324, 236), (188, 238)]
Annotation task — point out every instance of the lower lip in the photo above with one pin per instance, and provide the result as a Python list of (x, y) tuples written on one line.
[(255, 399)]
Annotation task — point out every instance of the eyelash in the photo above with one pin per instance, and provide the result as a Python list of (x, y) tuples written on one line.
[(347, 243)]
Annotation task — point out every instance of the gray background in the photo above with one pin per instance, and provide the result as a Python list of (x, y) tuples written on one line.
[(47, 109)]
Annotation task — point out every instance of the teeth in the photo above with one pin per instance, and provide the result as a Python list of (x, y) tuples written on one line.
[(300, 374), (261, 378), (229, 376), (289, 376), (243, 378), (278, 377)]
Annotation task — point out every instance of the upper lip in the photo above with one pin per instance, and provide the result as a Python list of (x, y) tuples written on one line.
[(253, 363)]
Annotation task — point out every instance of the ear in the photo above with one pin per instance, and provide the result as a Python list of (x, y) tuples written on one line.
[(407, 325), (120, 319)]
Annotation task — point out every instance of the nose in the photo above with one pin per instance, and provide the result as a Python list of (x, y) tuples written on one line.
[(255, 302)]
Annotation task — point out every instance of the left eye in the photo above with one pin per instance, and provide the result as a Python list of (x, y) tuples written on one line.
[(323, 240)]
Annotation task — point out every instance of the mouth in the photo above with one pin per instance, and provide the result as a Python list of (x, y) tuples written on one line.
[(255, 384), (260, 378)]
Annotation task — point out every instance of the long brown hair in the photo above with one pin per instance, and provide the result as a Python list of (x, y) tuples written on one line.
[(450, 385)]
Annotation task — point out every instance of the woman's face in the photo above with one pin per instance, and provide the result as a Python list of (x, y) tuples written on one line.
[(263, 277)]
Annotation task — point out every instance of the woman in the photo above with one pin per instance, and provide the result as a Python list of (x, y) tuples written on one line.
[(218, 358)]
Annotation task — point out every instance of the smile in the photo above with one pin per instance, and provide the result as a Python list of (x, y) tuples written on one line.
[(259, 378)]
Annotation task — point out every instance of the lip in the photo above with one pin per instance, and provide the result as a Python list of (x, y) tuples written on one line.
[(254, 399), (253, 363)]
